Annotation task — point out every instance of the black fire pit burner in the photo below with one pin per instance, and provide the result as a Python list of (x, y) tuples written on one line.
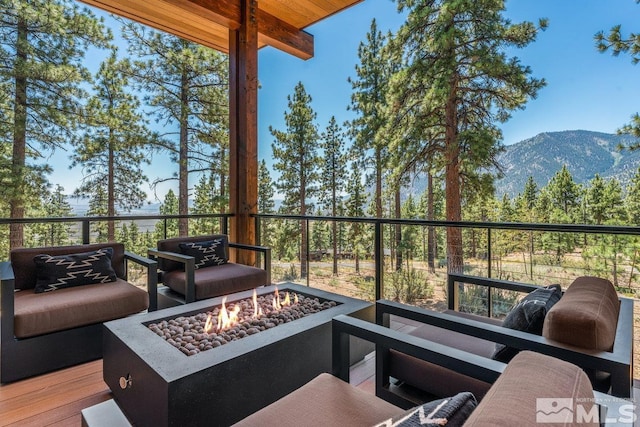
[(208, 330), (155, 385)]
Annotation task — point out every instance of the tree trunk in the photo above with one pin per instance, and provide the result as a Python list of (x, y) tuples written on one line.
[(183, 161), (18, 160), (111, 202), (452, 189), (303, 224), (334, 225)]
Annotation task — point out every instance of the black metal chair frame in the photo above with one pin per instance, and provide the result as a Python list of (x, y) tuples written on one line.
[(618, 362), (25, 357)]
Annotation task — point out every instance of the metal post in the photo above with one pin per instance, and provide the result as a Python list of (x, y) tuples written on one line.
[(378, 255), (85, 232), (306, 224), (489, 252)]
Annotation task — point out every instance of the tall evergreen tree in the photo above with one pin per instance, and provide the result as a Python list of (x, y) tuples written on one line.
[(632, 199), (168, 227), (368, 101), (42, 45), (617, 43), (112, 148), (457, 84), (332, 178), (266, 204), (185, 83), (295, 155), (356, 202), (205, 202)]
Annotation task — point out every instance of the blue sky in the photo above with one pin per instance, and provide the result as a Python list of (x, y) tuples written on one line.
[(585, 89)]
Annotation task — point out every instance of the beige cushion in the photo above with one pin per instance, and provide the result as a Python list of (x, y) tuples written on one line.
[(37, 314), (512, 400), (586, 316), (324, 401), (218, 280)]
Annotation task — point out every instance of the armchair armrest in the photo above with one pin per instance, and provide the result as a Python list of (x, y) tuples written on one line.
[(262, 249), (152, 276), (489, 283), (618, 362), (7, 308), (384, 338), (189, 268)]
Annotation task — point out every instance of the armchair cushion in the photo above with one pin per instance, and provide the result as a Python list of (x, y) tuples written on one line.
[(528, 316), (207, 254), (37, 314), (64, 271), (215, 281)]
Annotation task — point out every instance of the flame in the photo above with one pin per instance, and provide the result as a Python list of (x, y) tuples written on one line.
[(257, 310), (226, 318)]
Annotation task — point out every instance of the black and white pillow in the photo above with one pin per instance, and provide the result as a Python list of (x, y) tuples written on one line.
[(528, 316), (65, 271), (208, 253), (452, 412)]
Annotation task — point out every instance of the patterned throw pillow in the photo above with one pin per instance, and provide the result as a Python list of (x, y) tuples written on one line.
[(528, 316), (207, 253), (452, 412), (65, 271)]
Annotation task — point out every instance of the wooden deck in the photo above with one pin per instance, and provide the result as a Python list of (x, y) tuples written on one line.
[(54, 399)]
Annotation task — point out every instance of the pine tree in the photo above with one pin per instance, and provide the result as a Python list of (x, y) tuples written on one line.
[(357, 199), (457, 83), (368, 101), (294, 152), (632, 199), (205, 198), (185, 82), (617, 43), (98, 206), (42, 45), (565, 195), (168, 227), (112, 148), (266, 204), (332, 178)]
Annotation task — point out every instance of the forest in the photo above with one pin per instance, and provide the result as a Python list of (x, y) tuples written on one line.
[(428, 101)]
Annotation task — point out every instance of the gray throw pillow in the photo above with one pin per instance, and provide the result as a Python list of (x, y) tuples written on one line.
[(528, 316)]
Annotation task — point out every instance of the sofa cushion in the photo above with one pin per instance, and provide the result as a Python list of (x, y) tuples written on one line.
[(172, 245), (207, 254), (513, 398), (24, 268), (528, 316), (219, 280), (37, 313), (586, 316), (323, 401), (451, 411), (77, 269)]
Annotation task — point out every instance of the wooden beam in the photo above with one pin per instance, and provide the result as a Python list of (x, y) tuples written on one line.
[(189, 19), (243, 122)]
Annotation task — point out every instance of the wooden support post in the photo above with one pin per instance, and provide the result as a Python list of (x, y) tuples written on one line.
[(243, 132)]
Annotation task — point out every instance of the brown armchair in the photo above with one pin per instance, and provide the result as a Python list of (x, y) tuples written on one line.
[(198, 267), (48, 330)]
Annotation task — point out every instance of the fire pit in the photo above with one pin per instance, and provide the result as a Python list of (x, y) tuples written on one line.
[(157, 384)]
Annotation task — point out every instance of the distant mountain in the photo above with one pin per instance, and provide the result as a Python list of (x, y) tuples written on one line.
[(585, 153)]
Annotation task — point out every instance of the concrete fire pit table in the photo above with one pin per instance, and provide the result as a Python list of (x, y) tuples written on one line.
[(155, 384)]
